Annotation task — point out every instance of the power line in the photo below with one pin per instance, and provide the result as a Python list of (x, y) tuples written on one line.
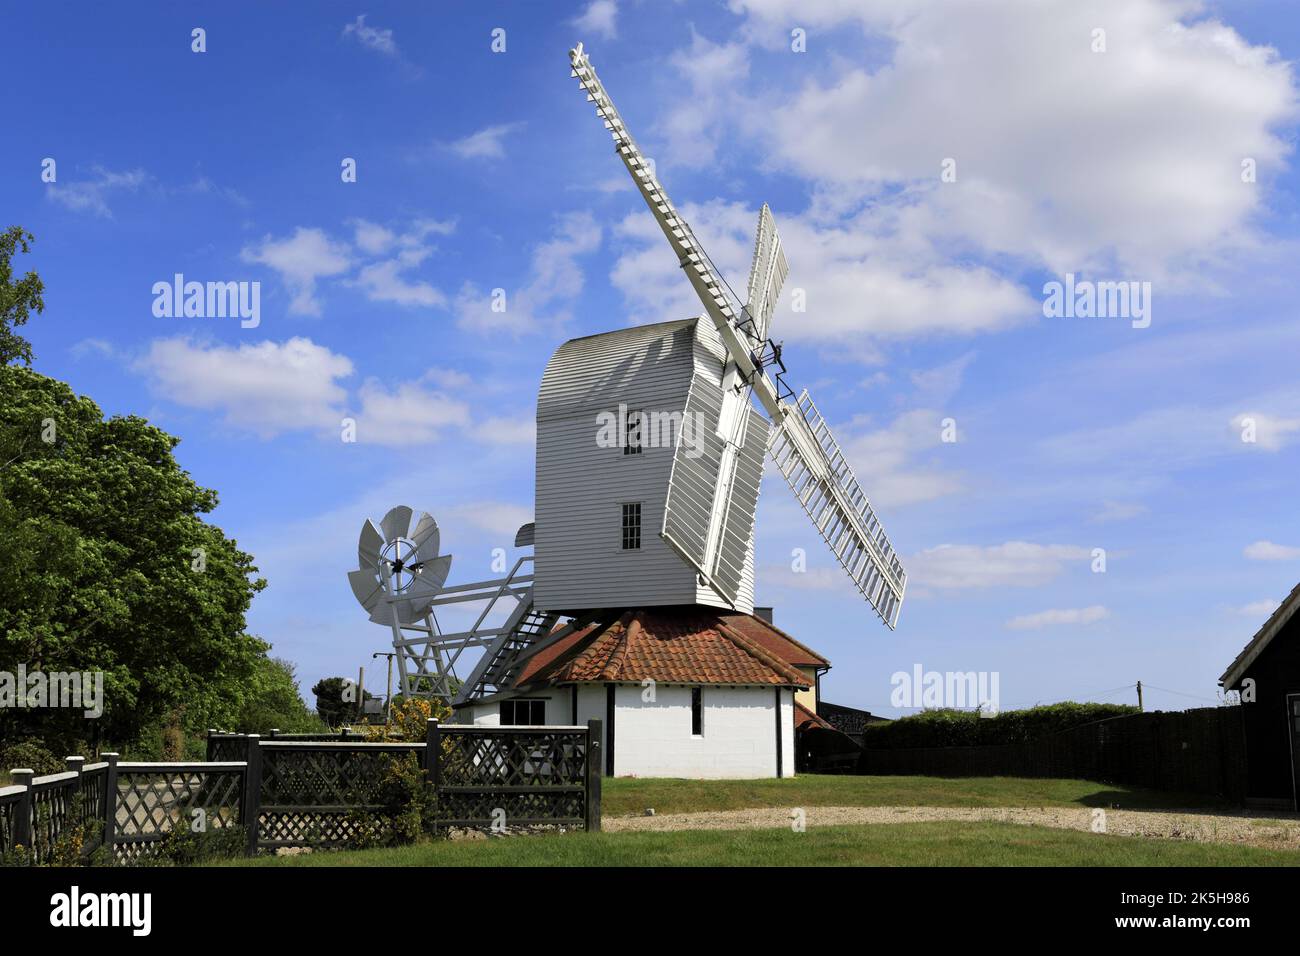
[(1181, 693)]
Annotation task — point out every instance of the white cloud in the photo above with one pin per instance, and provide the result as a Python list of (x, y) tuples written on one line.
[(809, 579), (93, 346), (1129, 158), (555, 280), (372, 38), (884, 460), (938, 385), (301, 259), (599, 18), (266, 388), (1119, 511), (406, 415), (91, 195), (1258, 610), (487, 143), (495, 517), (1082, 615), (1013, 564), (1268, 551), (506, 431), (376, 239), (855, 281), (712, 75), (372, 238), (383, 281)]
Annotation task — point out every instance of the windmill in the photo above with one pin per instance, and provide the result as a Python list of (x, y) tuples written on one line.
[(687, 460), (708, 507)]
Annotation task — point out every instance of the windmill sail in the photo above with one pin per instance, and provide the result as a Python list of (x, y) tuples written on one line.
[(692, 484), (736, 537), (713, 493), (811, 462), (721, 304), (766, 275)]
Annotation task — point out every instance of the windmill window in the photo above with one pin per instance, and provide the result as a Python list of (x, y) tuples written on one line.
[(697, 711), (632, 526), (632, 437), (523, 712)]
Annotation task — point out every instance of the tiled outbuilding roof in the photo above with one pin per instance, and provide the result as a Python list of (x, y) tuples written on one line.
[(773, 639), (678, 645)]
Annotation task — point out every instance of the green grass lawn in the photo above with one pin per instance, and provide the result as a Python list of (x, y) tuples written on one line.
[(894, 844), (624, 795)]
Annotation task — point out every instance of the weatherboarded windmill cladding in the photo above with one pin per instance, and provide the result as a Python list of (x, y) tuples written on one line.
[(636, 605), (628, 449)]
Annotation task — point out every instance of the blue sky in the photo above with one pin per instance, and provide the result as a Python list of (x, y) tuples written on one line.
[(480, 170)]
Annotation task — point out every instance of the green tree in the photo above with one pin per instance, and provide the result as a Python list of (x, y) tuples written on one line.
[(106, 565), (336, 700), (273, 701), (17, 299)]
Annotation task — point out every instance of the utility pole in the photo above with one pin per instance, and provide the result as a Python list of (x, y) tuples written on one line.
[(1139, 695), (388, 699)]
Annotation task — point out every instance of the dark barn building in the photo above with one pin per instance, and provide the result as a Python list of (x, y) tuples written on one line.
[(1268, 668)]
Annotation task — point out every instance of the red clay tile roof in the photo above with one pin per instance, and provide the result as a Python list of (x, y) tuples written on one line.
[(686, 645), (805, 718), (773, 639)]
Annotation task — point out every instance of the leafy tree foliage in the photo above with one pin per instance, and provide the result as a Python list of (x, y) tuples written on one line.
[(336, 700), (17, 299), (273, 701), (107, 565)]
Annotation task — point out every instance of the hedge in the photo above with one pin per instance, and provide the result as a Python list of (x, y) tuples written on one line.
[(965, 728)]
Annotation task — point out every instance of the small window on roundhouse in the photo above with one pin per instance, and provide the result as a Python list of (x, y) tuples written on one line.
[(528, 713), (697, 711)]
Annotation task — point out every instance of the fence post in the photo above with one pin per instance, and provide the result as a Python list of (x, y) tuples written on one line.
[(208, 756), (252, 802), (432, 751), (110, 805), (22, 776), (78, 801), (595, 769)]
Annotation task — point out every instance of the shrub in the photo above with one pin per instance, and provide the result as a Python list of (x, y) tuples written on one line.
[(410, 719), (30, 754), (403, 805), (965, 728), (184, 847)]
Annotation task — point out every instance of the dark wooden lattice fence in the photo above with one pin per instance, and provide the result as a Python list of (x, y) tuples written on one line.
[(291, 792)]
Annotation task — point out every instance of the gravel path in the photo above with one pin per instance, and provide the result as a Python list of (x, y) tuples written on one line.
[(1204, 827)]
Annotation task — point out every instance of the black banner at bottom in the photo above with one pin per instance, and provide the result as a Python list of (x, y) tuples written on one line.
[(140, 906)]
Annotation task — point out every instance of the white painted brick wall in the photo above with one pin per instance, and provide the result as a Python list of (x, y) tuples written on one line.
[(654, 739)]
